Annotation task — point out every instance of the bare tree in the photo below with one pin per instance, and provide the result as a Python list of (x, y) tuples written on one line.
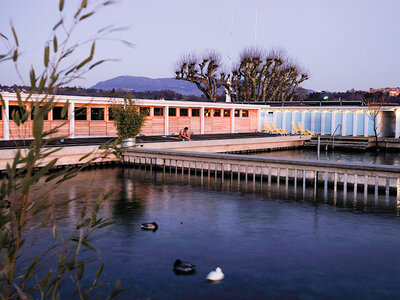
[(203, 71), (265, 76), (258, 76), (375, 109)]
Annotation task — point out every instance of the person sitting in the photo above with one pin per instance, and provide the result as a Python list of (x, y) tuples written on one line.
[(184, 134)]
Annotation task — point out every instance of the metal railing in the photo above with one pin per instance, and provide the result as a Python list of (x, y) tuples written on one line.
[(303, 173), (333, 138)]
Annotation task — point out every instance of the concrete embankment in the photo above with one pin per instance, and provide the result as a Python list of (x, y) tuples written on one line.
[(232, 145), (66, 156), (353, 143), (71, 155)]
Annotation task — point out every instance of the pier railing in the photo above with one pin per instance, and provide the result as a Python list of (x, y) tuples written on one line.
[(378, 179)]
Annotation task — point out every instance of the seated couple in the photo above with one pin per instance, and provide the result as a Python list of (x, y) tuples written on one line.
[(184, 134)]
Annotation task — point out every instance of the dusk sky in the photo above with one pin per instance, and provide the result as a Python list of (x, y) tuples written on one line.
[(343, 44)]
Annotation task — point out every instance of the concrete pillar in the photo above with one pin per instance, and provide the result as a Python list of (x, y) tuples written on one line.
[(274, 116), (6, 120), (303, 117), (312, 120), (259, 121), (166, 120), (322, 122), (397, 128), (232, 120), (71, 119), (333, 117), (355, 114), (202, 120), (344, 124)]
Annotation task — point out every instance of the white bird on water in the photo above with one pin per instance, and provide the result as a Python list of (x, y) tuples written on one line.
[(215, 275)]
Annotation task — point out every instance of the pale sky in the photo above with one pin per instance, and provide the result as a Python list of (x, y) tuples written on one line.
[(343, 44)]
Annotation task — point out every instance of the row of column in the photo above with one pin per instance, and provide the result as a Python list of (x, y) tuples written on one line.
[(166, 120), (320, 123), (6, 120), (71, 111)]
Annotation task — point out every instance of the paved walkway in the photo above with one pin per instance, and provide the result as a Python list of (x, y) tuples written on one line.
[(142, 139)]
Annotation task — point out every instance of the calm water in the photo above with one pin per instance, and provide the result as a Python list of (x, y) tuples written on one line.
[(270, 242), (355, 156)]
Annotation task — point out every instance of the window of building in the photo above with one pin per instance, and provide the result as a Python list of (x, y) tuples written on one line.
[(97, 114), (57, 111), (217, 112), (195, 112), (227, 112), (145, 111), (15, 109), (172, 112), (158, 111), (237, 113), (110, 115), (184, 112), (207, 112), (80, 114), (245, 113), (33, 111)]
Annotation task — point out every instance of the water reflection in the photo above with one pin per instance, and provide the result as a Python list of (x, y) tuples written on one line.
[(134, 195), (272, 241)]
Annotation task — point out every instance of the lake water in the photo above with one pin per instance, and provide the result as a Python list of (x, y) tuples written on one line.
[(271, 242), (354, 156)]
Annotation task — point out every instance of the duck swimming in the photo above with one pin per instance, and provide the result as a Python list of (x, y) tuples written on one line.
[(149, 226), (181, 267), (215, 275)]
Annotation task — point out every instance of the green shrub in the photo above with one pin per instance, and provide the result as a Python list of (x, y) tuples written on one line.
[(128, 119)]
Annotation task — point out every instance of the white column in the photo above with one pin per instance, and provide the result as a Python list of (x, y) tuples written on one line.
[(366, 120), (232, 120), (355, 123), (344, 124), (6, 120), (259, 121), (274, 116), (379, 124), (333, 117), (397, 130), (166, 120), (293, 120), (71, 119), (283, 120), (312, 120), (303, 117), (202, 120), (322, 122)]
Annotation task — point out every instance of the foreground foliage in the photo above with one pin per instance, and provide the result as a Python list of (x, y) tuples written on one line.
[(25, 190)]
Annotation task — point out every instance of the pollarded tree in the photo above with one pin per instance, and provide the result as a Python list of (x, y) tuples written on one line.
[(203, 71), (261, 76)]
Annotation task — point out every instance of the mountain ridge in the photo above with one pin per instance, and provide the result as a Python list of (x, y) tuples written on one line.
[(142, 84)]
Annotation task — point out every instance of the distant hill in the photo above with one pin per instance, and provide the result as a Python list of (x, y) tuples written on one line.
[(141, 84)]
